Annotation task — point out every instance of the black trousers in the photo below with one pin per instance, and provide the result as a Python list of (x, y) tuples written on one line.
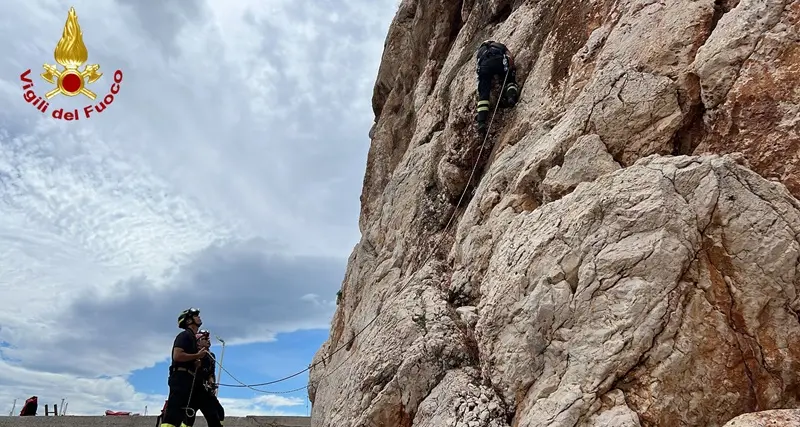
[(487, 71), (209, 405), (180, 387), (220, 409)]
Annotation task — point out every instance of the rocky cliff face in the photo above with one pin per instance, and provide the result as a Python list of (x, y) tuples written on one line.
[(610, 264)]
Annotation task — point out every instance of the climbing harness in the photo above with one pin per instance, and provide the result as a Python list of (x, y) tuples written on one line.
[(435, 248), (189, 411)]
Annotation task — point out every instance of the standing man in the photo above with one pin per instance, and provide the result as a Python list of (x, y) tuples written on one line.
[(186, 358), (211, 381), (206, 400), (494, 60)]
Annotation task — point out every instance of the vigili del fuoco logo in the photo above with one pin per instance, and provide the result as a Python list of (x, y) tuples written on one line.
[(71, 54)]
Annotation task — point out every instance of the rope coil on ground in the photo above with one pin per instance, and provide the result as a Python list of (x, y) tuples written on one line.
[(428, 258)]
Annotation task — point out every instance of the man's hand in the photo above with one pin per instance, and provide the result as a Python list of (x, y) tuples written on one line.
[(201, 354)]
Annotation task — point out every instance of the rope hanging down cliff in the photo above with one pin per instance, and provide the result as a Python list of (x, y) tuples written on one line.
[(409, 281)]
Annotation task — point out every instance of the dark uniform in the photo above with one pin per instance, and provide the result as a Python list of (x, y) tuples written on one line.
[(494, 59), (213, 397), (207, 402), (182, 381)]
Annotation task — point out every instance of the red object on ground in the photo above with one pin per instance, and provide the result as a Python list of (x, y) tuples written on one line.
[(30, 407), (117, 414)]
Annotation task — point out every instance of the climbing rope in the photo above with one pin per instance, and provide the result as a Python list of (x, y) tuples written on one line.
[(189, 411), (430, 255), (250, 386)]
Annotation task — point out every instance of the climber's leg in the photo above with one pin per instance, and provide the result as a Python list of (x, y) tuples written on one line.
[(488, 70), (484, 91), (511, 89)]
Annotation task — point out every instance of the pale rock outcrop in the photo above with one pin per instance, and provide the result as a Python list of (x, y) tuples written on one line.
[(773, 418), (655, 281), (585, 161), (647, 297), (749, 70), (587, 267), (471, 406)]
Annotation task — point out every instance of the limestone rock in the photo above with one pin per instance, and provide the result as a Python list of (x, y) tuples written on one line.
[(599, 271), (584, 162), (756, 102), (472, 405), (468, 315), (774, 418), (663, 305)]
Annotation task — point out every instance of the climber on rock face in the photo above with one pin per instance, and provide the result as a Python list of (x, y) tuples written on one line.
[(494, 59)]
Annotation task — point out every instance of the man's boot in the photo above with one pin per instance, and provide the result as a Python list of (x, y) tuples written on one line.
[(510, 95), (483, 115), (482, 128)]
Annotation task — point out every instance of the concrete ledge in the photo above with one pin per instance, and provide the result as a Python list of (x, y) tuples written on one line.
[(148, 421)]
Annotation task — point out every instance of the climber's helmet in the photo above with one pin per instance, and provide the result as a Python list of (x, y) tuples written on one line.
[(187, 316), (203, 338)]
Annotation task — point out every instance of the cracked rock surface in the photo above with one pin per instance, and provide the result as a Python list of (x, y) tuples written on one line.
[(627, 252), (773, 418)]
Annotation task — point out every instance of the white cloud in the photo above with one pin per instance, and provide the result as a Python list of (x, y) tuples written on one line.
[(236, 144), (273, 400)]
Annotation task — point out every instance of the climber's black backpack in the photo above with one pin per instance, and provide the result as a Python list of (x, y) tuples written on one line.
[(489, 50)]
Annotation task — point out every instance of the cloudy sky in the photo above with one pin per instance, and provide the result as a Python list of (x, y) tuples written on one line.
[(225, 175)]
